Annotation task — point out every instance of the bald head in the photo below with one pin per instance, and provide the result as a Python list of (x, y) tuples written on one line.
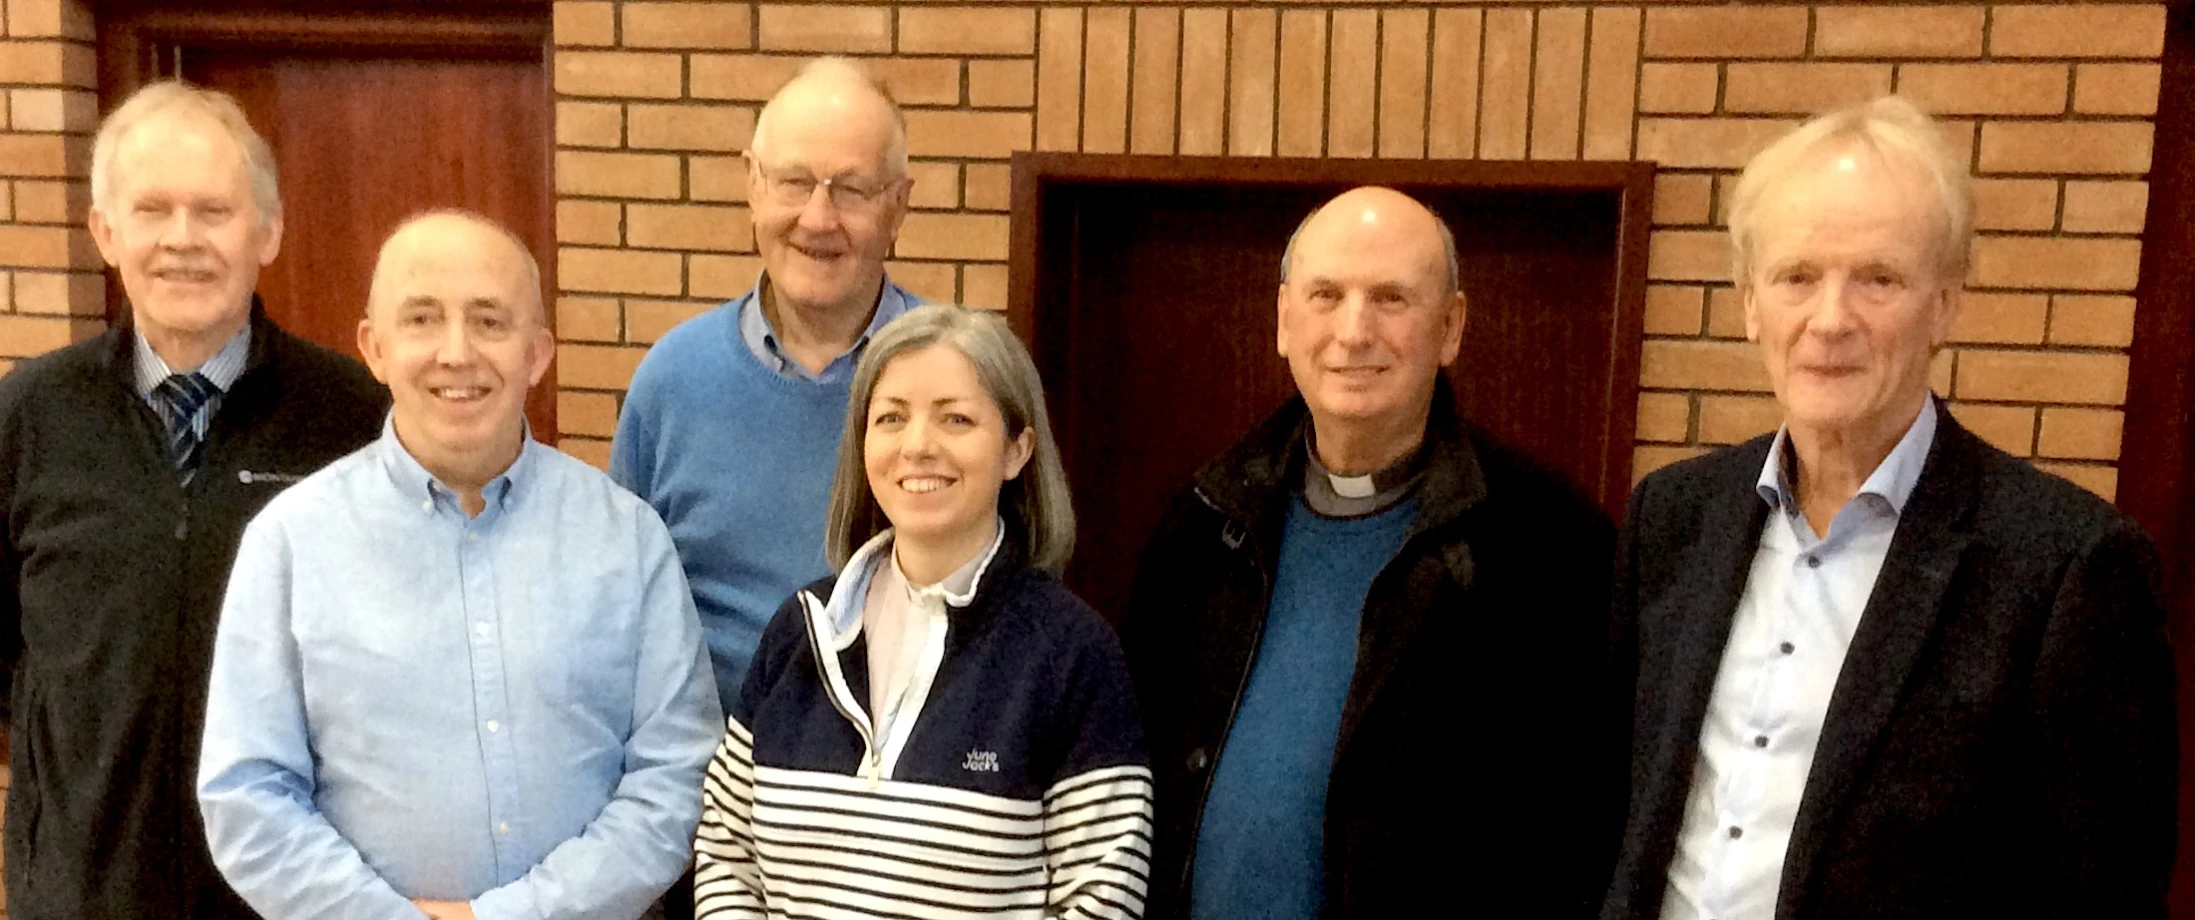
[(1374, 210), (449, 241), (843, 103)]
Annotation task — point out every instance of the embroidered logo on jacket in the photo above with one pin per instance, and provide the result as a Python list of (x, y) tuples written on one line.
[(981, 762)]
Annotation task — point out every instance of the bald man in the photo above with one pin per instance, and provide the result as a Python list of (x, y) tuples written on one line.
[(458, 673), (731, 427), (1368, 639)]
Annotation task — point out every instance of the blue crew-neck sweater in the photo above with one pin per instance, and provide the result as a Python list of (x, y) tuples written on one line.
[(738, 461), (1261, 841)]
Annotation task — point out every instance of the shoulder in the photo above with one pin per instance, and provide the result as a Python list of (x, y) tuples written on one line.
[(335, 486), (1687, 485), (62, 369), (1034, 605), (2019, 504), (696, 345)]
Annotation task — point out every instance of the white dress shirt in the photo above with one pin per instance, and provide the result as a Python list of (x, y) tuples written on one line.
[(1801, 606)]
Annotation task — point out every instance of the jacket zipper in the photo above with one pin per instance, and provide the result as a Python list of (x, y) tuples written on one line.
[(1257, 638), (872, 767)]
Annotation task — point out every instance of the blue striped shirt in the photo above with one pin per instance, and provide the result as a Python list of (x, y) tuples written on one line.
[(223, 368)]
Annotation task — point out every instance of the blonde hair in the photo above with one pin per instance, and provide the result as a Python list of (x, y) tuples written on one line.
[(1892, 128), (1039, 512), (175, 97)]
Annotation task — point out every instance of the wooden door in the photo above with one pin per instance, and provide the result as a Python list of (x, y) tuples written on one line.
[(1145, 287), (373, 117)]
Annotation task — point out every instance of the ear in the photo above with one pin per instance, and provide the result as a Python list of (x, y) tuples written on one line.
[(1452, 343), (369, 346), (1946, 305), (102, 234), (271, 246), (1018, 451), (544, 351), (1280, 320)]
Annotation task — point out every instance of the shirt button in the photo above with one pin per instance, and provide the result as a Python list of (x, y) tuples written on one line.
[(427, 505), (1199, 759), (505, 828), (1736, 832), (1787, 648), (1760, 741), (1813, 562), (472, 537), (493, 726), (480, 628)]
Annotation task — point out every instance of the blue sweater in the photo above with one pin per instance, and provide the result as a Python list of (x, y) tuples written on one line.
[(1260, 842), (738, 461)]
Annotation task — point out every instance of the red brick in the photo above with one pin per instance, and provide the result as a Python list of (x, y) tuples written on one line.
[(1872, 31), (31, 336), (716, 178), (2054, 147), (1301, 117), (2106, 207), (920, 81), (1105, 40), (46, 247), (1690, 364), (689, 127), (586, 413), (616, 175), (1452, 121), (2115, 89), (620, 74), (2081, 434), (936, 185), (1664, 417), (41, 155), (989, 187), (50, 19), (597, 223), (590, 124), (1157, 74), (52, 202), (1683, 198), (2077, 30), (1718, 143), (1673, 309), (2009, 428), (2074, 264), (1986, 89), (1725, 313), (1648, 458), (1611, 86), (1736, 419), (933, 281), (689, 227), (721, 277), (2001, 318), (1203, 127), (61, 293), (744, 77), (686, 25), (2092, 319), (1404, 58), (825, 28), (53, 110), (48, 63), (587, 319), (983, 286), (596, 367), (1688, 255), (646, 321), (616, 271), (1059, 80), (929, 235), (1802, 89), (1251, 81), (1679, 89), (2042, 376), (983, 135), (967, 30), (1505, 85), (1002, 84), (584, 23), (1558, 84), (2015, 204), (1726, 32)]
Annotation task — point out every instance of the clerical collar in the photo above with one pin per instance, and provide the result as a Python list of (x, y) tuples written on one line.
[(1332, 494)]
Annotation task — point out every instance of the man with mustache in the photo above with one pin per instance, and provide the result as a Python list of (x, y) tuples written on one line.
[(732, 423), (1873, 666), (458, 672), (129, 464), (1368, 639)]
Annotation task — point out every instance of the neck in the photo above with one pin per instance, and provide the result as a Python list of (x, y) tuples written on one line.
[(929, 561), (1356, 447), (816, 334), (1833, 462), (468, 473), (185, 351)]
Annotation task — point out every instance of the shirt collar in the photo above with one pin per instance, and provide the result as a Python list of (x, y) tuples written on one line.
[(222, 369), (840, 618), (1892, 481), (414, 483), (761, 337), (959, 588)]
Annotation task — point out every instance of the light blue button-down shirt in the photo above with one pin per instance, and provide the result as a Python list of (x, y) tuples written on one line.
[(513, 709), (761, 339), (1803, 599)]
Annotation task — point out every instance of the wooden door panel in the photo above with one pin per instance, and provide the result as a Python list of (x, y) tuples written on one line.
[(364, 142)]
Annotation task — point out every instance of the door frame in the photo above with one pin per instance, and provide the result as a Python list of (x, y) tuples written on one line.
[(142, 41)]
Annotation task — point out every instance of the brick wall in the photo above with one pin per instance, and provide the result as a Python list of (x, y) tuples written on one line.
[(50, 289), (2052, 104)]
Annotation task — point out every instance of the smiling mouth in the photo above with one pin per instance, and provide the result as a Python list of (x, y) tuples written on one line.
[(920, 485), (815, 254), (458, 394), (184, 276)]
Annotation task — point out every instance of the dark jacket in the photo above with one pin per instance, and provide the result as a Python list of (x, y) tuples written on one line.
[(2000, 742), (1465, 773), (111, 577)]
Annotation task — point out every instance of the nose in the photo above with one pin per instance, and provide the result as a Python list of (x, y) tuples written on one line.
[(818, 213), (916, 439), (1353, 321), (456, 348), (179, 231), (1832, 317)]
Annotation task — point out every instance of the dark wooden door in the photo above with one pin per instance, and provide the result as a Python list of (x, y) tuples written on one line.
[(373, 117), (1146, 288)]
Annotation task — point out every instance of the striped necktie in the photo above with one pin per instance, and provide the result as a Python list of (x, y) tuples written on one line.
[(185, 395)]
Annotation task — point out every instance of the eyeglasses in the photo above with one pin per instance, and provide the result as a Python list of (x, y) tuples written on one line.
[(796, 187)]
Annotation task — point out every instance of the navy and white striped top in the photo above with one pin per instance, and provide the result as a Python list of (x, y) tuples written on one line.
[(1014, 783)]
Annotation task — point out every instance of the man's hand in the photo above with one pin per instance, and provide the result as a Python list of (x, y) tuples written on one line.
[(444, 910)]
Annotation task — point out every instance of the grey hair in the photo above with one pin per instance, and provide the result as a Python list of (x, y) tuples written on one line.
[(1038, 510), (845, 69), (179, 98), (531, 268), (1891, 127), (1452, 284)]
